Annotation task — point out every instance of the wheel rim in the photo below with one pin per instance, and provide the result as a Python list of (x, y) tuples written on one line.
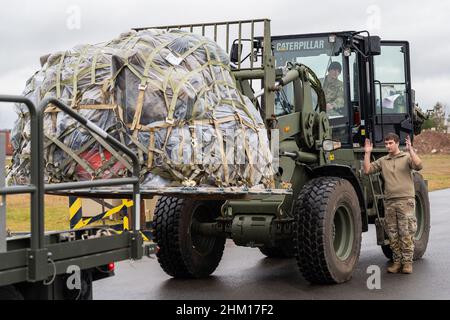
[(201, 243), (343, 233), (420, 216)]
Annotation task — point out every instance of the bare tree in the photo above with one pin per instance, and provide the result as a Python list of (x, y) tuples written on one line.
[(438, 116)]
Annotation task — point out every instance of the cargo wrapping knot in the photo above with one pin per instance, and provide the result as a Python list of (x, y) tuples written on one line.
[(169, 95)]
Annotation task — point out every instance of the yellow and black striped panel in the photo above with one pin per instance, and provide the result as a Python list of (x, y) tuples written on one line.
[(76, 213), (104, 215), (77, 221)]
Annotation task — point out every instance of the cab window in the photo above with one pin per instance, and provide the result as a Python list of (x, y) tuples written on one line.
[(390, 80), (321, 55)]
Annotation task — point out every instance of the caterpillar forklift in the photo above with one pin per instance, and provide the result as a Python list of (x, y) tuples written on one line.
[(330, 202)]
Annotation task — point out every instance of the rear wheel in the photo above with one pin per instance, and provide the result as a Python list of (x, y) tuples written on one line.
[(327, 232), (183, 251), (423, 220)]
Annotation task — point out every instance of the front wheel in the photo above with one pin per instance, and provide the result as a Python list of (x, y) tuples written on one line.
[(183, 251), (327, 232)]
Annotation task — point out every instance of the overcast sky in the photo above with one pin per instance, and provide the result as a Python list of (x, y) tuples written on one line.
[(30, 29)]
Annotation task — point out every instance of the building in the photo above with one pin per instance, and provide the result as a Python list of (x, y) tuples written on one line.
[(8, 146)]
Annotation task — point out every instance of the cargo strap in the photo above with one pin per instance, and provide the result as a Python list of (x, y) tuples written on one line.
[(144, 79), (72, 154), (58, 76)]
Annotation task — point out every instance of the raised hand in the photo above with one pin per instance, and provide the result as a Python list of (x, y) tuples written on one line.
[(368, 146), (408, 144)]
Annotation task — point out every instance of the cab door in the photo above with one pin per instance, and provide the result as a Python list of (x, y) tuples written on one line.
[(392, 92)]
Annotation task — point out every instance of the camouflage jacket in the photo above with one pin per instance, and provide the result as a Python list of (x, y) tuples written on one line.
[(334, 92)]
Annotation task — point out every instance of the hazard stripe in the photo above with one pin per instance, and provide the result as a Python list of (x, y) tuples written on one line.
[(74, 207), (75, 211), (104, 215), (126, 225), (146, 235), (85, 222), (79, 225)]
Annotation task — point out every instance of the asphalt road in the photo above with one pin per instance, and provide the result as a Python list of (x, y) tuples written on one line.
[(244, 273)]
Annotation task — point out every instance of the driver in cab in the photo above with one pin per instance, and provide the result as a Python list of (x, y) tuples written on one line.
[(334, 89)]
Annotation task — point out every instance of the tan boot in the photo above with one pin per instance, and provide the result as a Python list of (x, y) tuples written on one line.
[(407, 268), (396, 267)]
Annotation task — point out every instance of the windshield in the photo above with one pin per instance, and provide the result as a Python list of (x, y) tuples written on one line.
[(317, 54), (326, 60)]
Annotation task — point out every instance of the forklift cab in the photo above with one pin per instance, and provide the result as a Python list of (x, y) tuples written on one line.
[(371, 94)]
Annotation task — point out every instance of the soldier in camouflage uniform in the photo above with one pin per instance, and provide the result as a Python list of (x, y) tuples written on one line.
[(334, 89), (400, 220)]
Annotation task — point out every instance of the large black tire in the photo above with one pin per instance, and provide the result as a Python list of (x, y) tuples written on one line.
[(423, 216), (10, 293), (284, 250), (327, 232), (183, 252)]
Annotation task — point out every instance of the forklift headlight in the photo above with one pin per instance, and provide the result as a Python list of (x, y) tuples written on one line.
[(330, 145)]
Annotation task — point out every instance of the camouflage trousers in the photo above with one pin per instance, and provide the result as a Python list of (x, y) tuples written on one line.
[(401, 225)]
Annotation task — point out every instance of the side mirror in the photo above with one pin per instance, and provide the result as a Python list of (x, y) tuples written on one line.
[(236, 49), (373, 45), (331, 145)]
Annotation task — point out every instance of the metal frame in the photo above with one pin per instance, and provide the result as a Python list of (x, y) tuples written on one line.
[(265, 72), (199, 193), (2, 198), (41, 259), (380, 119)]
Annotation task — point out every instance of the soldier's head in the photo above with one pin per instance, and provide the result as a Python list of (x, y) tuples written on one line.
[(392, 142), (334, 70)]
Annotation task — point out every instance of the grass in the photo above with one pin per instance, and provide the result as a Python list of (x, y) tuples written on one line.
[(436, 170), (56, 213), (18, 213)]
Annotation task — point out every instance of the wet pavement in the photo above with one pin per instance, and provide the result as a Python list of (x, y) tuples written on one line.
[(245, 273)]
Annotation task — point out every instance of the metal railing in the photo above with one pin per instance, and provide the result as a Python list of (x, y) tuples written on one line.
[(37, 252), (248, 31), (3, 234), (216, 29)]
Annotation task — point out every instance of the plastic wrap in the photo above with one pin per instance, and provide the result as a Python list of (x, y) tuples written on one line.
[(168, 95)]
